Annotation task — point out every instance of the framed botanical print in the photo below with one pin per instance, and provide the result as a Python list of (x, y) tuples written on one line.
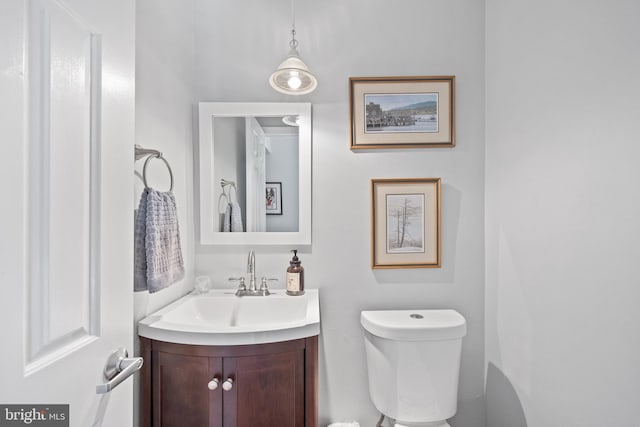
[(405, 223)]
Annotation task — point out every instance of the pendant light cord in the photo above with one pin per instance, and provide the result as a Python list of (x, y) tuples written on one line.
[(293, 43), (293, 14)]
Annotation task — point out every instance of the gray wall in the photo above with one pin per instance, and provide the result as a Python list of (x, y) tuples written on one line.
[(164, 121), (282, 166), (230, 152), (239, 44), (563, 209)]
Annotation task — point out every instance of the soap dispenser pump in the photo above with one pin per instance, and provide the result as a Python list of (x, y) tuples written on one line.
[(295, 276)]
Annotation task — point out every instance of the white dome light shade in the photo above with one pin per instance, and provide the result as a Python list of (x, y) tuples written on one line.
[(293, 76)]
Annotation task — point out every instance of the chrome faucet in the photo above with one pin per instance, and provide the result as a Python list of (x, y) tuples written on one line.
[(251, 270)]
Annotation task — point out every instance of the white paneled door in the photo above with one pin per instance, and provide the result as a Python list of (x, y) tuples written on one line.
[(66, 232), (256, 160)]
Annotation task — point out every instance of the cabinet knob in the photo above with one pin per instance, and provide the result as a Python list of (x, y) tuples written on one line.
[(213, 384), (227, 384)]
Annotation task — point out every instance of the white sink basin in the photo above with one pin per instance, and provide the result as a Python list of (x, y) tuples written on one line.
[(218, 317)]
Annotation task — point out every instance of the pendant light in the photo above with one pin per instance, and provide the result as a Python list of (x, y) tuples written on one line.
[(293, 76)]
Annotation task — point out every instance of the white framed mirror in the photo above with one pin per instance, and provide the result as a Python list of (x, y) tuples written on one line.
[(255, 173)]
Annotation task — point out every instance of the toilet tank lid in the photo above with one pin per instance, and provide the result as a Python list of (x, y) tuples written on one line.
[(414, 325)]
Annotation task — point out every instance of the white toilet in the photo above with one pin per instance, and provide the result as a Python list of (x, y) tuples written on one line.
[(413, 359)]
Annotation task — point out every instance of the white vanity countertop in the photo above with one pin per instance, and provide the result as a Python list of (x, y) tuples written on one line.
[(218, 317)]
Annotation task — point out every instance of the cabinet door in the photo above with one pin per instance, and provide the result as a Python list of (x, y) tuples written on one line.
[(181, 396), (268, 390)]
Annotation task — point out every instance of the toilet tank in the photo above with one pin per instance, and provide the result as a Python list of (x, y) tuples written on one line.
[(413, 360)]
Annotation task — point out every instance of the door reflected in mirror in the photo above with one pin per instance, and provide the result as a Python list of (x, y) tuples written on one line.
[(255, 173)]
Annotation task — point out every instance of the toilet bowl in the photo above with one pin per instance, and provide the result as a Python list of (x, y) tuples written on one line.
[(413, 363)]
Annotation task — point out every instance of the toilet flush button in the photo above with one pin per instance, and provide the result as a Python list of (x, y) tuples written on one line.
[(416, 316)]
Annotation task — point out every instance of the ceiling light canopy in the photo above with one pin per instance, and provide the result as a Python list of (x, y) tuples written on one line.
[(291, 120), (293, 76)]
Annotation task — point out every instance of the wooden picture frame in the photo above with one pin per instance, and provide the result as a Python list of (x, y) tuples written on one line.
[(402, 112), (273, 198), (405, 223)]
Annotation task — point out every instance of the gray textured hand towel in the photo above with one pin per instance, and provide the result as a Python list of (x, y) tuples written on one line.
[(158, 254), (233, 218)]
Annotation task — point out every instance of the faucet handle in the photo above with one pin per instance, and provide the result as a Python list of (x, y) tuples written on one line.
[(263, 283), (241, 286)]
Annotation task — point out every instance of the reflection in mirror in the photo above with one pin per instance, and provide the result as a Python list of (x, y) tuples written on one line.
[(250, 152), (255, 173)]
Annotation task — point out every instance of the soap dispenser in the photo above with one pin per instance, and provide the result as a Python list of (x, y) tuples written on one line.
[(295, 276)]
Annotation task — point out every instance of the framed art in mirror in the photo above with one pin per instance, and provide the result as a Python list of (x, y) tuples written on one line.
[(273, 198)]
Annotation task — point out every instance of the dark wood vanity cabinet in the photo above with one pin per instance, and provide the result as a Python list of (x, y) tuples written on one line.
[(272, 384)]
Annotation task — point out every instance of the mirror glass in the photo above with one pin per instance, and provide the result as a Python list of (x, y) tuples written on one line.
[(255, 173)]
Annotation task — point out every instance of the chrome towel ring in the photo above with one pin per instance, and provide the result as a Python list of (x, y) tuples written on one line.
[(144, 169), (226, 193), (231, 184), (151, 154)]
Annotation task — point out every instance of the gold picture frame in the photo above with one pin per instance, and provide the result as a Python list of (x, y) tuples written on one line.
[(405, 223), (402, 112)]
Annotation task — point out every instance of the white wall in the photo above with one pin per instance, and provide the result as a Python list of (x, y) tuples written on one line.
[(282, 166), (239, 44), (164, 121), (562, 213)]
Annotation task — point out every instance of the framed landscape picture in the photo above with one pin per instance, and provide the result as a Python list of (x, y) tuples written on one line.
[(405, 223), (402, 112), (273, 198)]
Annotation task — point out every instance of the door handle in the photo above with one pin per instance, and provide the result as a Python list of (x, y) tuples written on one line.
[(118, 368)]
